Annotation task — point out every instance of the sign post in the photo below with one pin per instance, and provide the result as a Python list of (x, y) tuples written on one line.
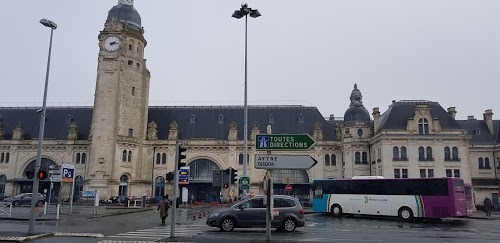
[(68, 175)]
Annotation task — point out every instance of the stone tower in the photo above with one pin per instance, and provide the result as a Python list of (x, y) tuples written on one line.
[(120, 103)]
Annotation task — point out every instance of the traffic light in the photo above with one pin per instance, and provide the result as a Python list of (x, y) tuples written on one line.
[(233, 176), (226, 185), (42, 175), (180, 150), (170, 176), (30, 174), (226, 171)]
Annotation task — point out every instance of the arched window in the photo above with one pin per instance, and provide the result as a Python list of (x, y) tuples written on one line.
[(122, 188), (403, 153), (421, 153), (2, 155), (428, 151), (7, 157), (124, 155), (164, 158), (487, 163), (395, 153), (423, 126), (158, 158), (334, 160), (327, 160), (240, 159), (77, 158), (481, 163), (364, 157), (129, 156), (447, 154), (159, 187), (454, 153), (84, 158), (3, 179), (357, 158)]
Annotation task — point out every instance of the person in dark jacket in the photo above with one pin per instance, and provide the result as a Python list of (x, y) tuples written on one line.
[(487, 206), (163, 207)]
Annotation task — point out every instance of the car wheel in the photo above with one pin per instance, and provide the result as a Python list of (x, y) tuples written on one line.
[(40, 203), (16, 204), (405, 214), (227, 224), (336, 211), (289, 225)]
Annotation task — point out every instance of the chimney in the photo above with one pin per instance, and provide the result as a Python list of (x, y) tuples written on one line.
[(452, 112), (470, 118), (488, 118), (332, 117), (376, 118)]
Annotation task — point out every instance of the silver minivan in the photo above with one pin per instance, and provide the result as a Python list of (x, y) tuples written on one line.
[(251, 213)]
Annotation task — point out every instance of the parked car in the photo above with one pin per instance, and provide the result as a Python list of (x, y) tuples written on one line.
[(251, 213), (24, 199)]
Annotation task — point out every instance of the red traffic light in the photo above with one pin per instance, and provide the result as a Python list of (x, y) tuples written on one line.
[(225, 185), (42, 175)]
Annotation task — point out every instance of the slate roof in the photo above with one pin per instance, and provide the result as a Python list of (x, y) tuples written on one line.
[(484, 136), (206, 121), (396, 116)]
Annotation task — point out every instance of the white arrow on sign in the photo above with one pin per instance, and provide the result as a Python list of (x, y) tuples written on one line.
[(268, 161)]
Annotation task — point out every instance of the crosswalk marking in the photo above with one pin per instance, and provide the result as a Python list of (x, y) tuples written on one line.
[(157, 233)]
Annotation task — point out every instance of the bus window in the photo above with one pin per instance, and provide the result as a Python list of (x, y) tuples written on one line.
[(318, 191)]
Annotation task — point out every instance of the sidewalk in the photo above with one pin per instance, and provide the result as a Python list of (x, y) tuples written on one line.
[(481, 215)]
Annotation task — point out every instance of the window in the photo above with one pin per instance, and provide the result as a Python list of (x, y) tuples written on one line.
[(357, 158), (423, 173), (327, 160), (130, 47), (130, 132), (122, 188), (456, 173), (476, 131), (2, 157), (77, 158), (364, 157), (124, 155), (138, 65), (449, 173), (333, 160), (192, 119), (129, 156), (423, 126), (454, 153), (430, 173), (447, 156), (221, 118), (158, 158), (270, 119), (360, 132), (164, 158), (133, 91), (159, 186), (240, 159), (481, 163), (3, 180), (130, 62), (421, 154), (403, 153), (487, 163), (404, 173), (397, 173), (301, 118), (428, 151), (7, 157), (395, 153), (84, 158)]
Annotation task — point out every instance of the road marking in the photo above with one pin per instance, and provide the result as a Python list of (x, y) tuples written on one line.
[(157, 233)]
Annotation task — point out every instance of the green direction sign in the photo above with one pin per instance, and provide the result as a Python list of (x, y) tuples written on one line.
[(288, 142), (244, 183)]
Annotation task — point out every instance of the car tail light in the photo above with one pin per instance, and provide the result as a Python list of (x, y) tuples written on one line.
[(301, 211)]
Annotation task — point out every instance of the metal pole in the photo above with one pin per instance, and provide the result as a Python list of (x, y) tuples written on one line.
[(38, 162), (245, 122), (174, 196), (71, 196), (50, 191)]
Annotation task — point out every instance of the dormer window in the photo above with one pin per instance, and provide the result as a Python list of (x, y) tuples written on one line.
[(477, 131), (69, 118), (192, 119), (301, 118), (423, 126), (221, 118), (270, 119)]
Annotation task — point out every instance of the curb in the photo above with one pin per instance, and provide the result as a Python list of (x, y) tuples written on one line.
[(23, 238), (119, 213)]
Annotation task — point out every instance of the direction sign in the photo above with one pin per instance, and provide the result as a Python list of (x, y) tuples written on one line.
[(244, 183), (184, 175), (290, 142), (268, 161), (55, 178), (67, 172)]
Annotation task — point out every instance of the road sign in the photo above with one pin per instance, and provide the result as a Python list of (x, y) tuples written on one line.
[(184, 175), (244, 183), (67, 172), (55, 178), (288, 188), (268, 161), (289, 142)]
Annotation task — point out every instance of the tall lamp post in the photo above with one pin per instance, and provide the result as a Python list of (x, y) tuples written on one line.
[(254, 13), (34, 198)]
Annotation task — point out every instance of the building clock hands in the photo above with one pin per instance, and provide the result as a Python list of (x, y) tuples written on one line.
[(112, 43)]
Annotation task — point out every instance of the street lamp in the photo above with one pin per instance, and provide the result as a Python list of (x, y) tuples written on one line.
[(34, 198), (254, 13)]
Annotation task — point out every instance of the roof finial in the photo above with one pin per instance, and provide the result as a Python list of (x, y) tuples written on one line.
[(126, 2), (355, 86)]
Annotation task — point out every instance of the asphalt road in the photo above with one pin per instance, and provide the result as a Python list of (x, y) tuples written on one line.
[(145, 226)]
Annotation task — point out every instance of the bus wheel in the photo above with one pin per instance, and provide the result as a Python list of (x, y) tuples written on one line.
[(336, 211), (405, 214)]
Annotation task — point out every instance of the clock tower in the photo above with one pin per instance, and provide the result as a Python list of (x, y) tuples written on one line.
[(120, 105)]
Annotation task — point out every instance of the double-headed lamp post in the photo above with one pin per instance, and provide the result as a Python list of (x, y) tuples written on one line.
[(254, 13), (34, 198)]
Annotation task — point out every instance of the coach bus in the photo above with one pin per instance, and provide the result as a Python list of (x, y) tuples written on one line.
[(404, 198)]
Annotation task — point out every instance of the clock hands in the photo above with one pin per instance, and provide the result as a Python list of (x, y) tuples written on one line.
[(113, 43)]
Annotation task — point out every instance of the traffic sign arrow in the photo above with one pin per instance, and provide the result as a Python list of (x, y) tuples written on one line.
[(268, 161), (289, 142)]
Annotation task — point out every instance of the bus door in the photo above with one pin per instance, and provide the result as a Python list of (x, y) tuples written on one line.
[(320, 200), (460, 199)]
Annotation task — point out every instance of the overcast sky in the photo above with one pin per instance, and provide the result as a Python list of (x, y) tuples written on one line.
[(299, 52)]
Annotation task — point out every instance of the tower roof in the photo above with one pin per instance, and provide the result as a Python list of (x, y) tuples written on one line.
[(356, 110), (125, 12)]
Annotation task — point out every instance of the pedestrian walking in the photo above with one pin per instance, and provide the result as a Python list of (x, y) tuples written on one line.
[(192, 200), (487, 206), (163, 207)]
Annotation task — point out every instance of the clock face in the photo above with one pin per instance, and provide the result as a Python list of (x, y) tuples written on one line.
[(112, 43)]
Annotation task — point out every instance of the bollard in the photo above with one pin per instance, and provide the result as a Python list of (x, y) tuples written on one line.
[(194, 217), (45, 208), (57, 214), (199, 215)]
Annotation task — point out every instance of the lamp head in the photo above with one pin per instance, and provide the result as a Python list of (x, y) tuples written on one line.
[(48, 23), (255, 13), (237, 14), (244, 5)]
